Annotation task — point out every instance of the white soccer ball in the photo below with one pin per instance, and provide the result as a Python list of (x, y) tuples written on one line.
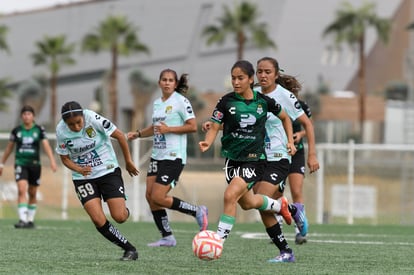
[(207, 245)]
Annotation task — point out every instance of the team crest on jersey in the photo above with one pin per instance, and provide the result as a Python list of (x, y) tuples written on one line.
[(259, 109), (168, 109), (90, 132)]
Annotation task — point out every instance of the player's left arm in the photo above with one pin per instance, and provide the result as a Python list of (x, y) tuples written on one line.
[(130, 166), (312, 160)]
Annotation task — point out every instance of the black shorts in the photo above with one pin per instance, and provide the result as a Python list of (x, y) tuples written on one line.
[(298, 163), (276, 172), (31, 173), (250, 171), (105, 187), (167, 171)]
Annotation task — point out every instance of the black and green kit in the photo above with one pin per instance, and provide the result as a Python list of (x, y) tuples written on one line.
[(244, 125), (297, 126), (27, 144)]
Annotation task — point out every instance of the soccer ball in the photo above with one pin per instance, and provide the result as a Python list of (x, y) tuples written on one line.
[(207, 245)]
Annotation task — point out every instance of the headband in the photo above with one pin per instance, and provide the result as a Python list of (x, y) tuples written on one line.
[(71, 111)]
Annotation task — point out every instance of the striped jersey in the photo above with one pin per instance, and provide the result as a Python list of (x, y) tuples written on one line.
[(27, 144), (244, 125)]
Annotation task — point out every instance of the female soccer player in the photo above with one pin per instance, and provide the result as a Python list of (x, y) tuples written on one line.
[(27, 169), (297, 167), (172, 119), (84, 146), (278, 159), (243, 114)]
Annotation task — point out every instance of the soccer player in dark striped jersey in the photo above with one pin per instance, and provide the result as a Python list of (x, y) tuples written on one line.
[(243, 114), (27, 167)]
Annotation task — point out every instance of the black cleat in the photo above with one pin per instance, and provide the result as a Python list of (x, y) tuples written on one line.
[(129, 255), (30, 225), (20, 224)]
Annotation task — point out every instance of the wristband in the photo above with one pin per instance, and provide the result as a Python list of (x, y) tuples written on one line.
[(139, 133)]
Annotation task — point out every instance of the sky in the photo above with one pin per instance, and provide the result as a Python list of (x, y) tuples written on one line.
[(10, 6)]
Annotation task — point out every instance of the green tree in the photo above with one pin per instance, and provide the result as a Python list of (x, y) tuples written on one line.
[(242, 23), (4, 93), (350, 27), (117, 35), (53, 52), (3, 42)]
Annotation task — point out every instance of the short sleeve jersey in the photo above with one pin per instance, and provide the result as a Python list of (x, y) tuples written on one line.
[(297, 126), (276, 138), (244, 125), (89, 147), (174, 111), (27, 144)]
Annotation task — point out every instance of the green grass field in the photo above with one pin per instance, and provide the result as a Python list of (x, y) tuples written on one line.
[(75, 247)]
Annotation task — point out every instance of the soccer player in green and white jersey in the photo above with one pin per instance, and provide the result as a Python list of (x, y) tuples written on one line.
[(27, 167)]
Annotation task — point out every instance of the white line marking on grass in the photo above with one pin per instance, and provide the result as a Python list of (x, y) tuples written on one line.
[(264, 236), (256, 235)]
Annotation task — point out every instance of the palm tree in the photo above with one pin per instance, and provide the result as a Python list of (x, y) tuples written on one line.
[(3, 43), (117, 35), (240, 22), (350, 26), (53, 52), (4, 93)]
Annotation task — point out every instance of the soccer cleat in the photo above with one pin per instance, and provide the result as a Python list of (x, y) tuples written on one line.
[(300, 219), (284, 257), (284, 210), (20, 224), (202, 217), (299, 239), (129, 255), (168, 241), (30, 225)]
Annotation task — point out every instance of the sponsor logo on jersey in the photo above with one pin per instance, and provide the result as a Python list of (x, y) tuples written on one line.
[(189, 110), (106, 124), (90, 132), (252, 155), (297, 105), (246, 120)]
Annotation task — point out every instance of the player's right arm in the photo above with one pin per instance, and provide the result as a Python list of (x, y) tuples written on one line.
[(210, 137), (84, 170), (7, 152)]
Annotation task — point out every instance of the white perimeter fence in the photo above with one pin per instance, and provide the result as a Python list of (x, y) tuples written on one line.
[(357, 183)]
